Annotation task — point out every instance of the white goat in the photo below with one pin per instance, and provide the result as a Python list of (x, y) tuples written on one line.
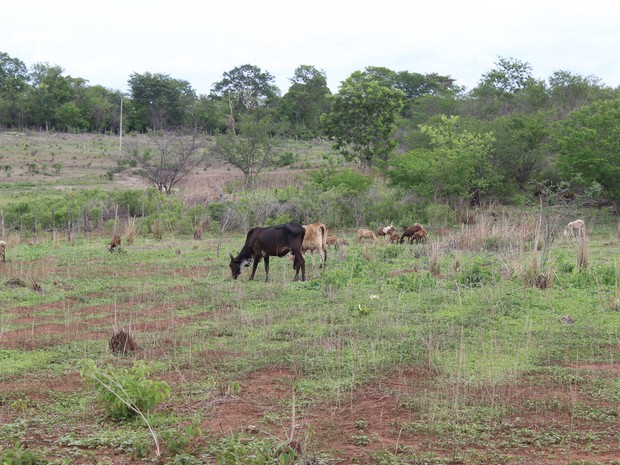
[(578, 225)]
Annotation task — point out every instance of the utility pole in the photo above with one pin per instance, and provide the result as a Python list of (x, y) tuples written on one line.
[(120, 131)]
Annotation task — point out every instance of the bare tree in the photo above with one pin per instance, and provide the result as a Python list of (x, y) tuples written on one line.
[(168, 157), (251, 149)]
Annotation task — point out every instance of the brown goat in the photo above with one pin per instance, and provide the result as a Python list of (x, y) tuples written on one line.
[(394, 238), (367, 234), (420, 236), (411, 231), (332, 240), (114, 244), (386, 231)]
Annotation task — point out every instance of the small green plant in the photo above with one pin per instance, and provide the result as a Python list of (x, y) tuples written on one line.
[(234, 450), (17, 455), (360, 424), (180, 442), (361, 439), (124, 392)]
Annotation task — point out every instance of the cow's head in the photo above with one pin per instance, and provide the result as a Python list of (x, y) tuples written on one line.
[(235, 267)]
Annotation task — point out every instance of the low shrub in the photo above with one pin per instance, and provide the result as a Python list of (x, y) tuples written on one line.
[(124, 393)]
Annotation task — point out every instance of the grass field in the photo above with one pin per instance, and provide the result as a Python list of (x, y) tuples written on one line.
[(448, 352), (491, 343)]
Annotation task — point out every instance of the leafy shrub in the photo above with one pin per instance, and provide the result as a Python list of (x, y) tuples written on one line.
[(286, 159), (125, 392)]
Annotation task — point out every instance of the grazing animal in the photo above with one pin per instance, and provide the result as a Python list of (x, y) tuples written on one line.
[(274, 241), (315, 239), (419, 236), (577, 225), (366, 234), (114, 244), (3, 251), (414, 233), (332, 240), (386, 231), (394, 238)]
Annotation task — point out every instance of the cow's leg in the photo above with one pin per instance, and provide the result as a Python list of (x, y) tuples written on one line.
[(324, 256), (254, 266), (266, 268), (300, 263)]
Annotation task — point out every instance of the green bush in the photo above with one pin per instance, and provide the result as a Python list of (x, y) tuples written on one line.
[(477, 274), (125, 392)]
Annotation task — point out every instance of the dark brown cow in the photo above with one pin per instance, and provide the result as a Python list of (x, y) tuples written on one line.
[(274, 241)]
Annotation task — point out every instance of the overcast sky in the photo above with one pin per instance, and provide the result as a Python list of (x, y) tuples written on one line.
[(197, 41)]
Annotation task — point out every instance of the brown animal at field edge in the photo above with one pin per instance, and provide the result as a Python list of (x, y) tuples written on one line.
[(115, 244), (366, 234), (332, 240), (411, 234)]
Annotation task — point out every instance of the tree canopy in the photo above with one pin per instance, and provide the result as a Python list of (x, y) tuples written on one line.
[(363, 119)]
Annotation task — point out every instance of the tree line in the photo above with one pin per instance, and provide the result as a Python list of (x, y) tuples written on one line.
[(429, 136)]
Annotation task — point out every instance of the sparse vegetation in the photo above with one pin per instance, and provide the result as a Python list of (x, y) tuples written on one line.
[(457, 345)]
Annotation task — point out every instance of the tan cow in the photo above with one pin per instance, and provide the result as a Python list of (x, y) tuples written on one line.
[(315, 239)]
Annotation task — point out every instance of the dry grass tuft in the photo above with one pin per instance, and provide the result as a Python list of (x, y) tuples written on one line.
[(582, 251), (131, 231), (157, 228), (435, 263)]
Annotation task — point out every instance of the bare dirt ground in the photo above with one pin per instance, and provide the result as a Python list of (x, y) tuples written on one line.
[(383, 415)]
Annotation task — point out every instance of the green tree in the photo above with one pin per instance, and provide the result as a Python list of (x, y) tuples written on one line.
[(68, 116), (50, 90), (363, 119), (246, 88), (457, 166), (306, 100), (508, 87), (520, 152), (569, 91), (251, 149), (13, 87), (101, 107), (587, 143), (160, 101)]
